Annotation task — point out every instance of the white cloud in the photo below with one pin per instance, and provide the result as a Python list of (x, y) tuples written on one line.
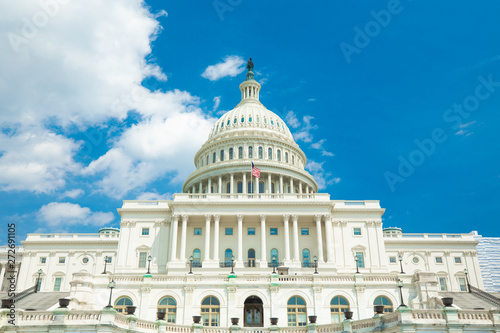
[(291, 120), (319, 146), (216, 103), (73, 194), (464, 129), (231, 66), (64, 214), (304, 134), (154, 196), (322, 177), (34, 159), (311, 99)]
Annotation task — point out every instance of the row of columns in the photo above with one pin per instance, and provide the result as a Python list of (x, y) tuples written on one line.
[(303, 188), (239, 253)]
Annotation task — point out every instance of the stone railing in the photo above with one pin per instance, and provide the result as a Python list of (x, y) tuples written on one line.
[(240, 196), (113, 322)]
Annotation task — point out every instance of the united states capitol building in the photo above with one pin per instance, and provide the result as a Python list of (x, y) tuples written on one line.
[(232, 245)]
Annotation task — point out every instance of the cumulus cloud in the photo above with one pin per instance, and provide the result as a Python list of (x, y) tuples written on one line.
[(154, 196), (304, 134), (73, 194), (216, 103), (322, 177), (64, 214), (319, 146), (34, 159), (291, 120), (231, 66)]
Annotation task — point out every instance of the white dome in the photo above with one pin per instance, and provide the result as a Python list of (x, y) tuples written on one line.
[(251, 115)]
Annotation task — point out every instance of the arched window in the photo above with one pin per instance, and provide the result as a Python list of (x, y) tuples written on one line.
[(306, 258), (169, 306), (250, 152), (214, 158), (235, 120), (274, 253), (258, 119), (122, 303), (250, 187), (210, 311), (240, 152), (382, 300), (250, 119), (286, 157), (222, 155), (230, 153), (269, 153), (338, 306), (242, 119), (260, 152), (261, 187), (278, 156), (296, 309), (228, 188), (228, 255), (196, 258), (240, 187), (251, 258)]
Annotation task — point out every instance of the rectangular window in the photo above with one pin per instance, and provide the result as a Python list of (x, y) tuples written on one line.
[(251, 231), (43, 260), (197, 231), (392, 260), (62, 260), (442, 284), (458, 260), (145, 231), (304, 231), (274, 231), (57, 284), (142, 259), (463, 285), (361, 260), (357, 231), (229, 231), (439, 260)]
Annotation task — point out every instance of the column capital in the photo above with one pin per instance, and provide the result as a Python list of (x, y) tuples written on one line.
[(175, 218), (295, 217), (184, 217), (286, 217), (208, 217), (327, 217), (240, 217), (317, 217), (216, 217), (262, 217)]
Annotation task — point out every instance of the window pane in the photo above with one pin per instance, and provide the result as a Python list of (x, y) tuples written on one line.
[(142, 259)]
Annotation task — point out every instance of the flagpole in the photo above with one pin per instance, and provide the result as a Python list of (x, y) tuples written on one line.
[(251, 182)]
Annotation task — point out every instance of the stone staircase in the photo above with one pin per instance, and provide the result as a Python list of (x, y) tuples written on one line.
[(468, 301), (40, 301)]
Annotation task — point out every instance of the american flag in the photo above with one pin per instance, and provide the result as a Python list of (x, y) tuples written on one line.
[(255, 171)]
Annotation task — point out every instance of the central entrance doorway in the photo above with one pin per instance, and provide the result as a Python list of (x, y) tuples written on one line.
[(253, 312)]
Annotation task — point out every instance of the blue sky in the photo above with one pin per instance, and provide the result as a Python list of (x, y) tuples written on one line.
[(395, 101)]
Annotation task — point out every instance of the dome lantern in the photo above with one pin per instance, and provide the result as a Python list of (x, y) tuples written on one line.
[(250, 88)]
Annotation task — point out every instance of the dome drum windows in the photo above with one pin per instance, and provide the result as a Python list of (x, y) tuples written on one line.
[(240, 152), (231, 153), (269, 153), (260, 152), (278, 156), (250, 152), (222, 155)]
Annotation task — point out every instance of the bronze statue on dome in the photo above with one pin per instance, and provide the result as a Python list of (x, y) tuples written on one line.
[(250, 65)]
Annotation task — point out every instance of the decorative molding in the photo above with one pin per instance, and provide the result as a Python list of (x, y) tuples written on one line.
[(286, 218), (369, 223), (216, 217), (188, 289), (295, 217), (447, 253), (262, 217), (232, 289), (317, 217), (208, 217), (185, 217), (145, 289), (318, 289), (360, 289), (240, 217), (274, 289)]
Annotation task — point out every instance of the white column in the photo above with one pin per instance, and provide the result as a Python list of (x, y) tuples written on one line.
[(183, 237), (295, 219), (173, 242), (209, 188), (2, 275), (216, 238), (245, 185), (287, 237), (329, 239), (193, 189), (240, 241), (263, 249), (232, 183), (256, 186), (269, 187), (291, 185), (207, 237), (200, 185), (300, 187), (319, 238), (220, 185), (281, 184)]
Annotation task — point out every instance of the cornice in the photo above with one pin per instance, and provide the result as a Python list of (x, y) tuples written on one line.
[(405, 241)]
